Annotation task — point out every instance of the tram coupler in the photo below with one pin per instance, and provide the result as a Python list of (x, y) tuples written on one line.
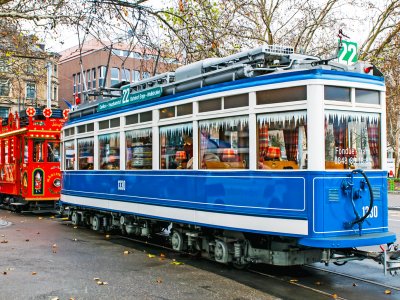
[(391, 260)]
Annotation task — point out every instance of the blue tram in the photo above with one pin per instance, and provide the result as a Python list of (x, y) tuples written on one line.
[(263, 156)]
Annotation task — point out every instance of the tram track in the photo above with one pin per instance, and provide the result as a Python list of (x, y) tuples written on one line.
[(308, 283), (390, 287)]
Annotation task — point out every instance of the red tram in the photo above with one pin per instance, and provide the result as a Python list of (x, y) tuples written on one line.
[(30, 177)]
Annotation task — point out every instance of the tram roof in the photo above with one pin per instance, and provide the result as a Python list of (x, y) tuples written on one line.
[(89, 112)]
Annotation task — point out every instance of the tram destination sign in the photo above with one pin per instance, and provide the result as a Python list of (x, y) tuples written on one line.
[(127, 98)]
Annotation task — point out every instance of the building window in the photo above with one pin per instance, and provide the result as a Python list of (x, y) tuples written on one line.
[(114, 76), (30, 90), (126, 75), (146, 75), (55, 93), (176, 144), (282, 140), (78, 82), (3, 112), (4, 87), (94, 78), (109, 151), (224, 143), (74, 80), (135, 75), (139, 149), (55, 69), (89, 81), (102, 74)]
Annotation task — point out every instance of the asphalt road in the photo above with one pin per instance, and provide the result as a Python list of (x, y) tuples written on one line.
[(43, 259)]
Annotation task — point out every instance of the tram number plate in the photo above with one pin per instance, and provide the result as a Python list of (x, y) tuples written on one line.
[(121, 185), (374, 211)]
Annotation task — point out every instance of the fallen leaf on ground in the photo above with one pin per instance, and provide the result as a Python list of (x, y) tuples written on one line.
[(40, 218), (55, 298), (151, 255), (27, 240), (75, 227), (34, 273), (162, 255), (4, 273), (388, 292), (177, 263), (293, 280), (4, 242), (334, 296), (159, 280), (107, 236), (318, 283), (126, 252)]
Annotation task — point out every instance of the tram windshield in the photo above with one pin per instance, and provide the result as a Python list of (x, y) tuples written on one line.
[(352, 140), (53, 151)]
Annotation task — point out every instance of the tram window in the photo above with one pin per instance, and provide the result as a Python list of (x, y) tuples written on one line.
[(53, 151), (25, 150), (210, 105), (176, 144), (69, 155), (282, 141), (69, 131), (6, 159), (236, 101), (104, 124), (367, 96), (114, 122), (81, 128), (352, 140), (184, 109), (132, 119), (139, 149), (167, 112), (38, 150), (109, 151), (224, 143), (297, 93), (90, 127), (85, 153), (337, 93), (146, 116)]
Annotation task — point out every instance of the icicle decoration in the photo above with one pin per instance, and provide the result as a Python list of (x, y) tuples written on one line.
[(107, 137), (139, 133), (285, 118), (345, 116), (86, 141), (240, 122), (179, 129)]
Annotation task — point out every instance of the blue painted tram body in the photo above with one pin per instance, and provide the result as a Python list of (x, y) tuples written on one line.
[(263, 156)]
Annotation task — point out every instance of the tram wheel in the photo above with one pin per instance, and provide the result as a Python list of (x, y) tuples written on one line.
[(96, 223), (75, 218), (240, 266)]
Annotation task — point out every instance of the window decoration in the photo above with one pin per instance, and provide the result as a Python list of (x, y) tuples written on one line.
[(174, 140), (282, 140), (224, 143), (139, 149), (352, 140)]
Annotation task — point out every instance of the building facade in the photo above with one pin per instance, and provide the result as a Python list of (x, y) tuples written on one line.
[(99, 65), (24, 75)]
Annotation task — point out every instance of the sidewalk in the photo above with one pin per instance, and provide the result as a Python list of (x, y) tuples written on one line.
[(394, 200)]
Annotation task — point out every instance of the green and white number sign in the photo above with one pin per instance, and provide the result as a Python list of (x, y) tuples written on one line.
[(348, 54)]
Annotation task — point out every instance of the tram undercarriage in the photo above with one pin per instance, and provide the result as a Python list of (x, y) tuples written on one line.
[(18, 204), (228, 247)]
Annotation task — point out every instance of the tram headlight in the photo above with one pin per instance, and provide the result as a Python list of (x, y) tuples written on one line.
[(57, 182)]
